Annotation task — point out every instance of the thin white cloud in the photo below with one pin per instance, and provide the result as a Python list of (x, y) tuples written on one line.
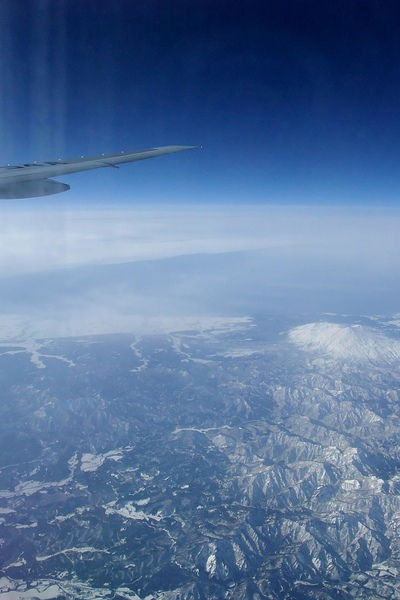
[(119, 265), (35, 240), (38, 239)]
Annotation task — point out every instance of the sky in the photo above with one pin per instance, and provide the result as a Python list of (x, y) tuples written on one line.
[(292, 203), (293, 101)]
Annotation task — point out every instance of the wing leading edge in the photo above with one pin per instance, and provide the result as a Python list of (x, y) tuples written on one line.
[(32, 179)]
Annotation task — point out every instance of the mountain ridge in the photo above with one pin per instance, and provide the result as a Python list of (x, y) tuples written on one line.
[(348, 342)]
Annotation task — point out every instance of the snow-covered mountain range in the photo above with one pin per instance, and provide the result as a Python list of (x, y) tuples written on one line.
[(231, 463), (348, 342)]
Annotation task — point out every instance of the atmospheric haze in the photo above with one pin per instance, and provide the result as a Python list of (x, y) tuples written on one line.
[(168, 261)]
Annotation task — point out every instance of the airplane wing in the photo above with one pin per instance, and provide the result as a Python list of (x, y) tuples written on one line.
[(32, 179)]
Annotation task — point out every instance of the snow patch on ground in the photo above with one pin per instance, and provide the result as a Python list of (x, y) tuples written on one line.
[(43, 591), (129, 511), (34, 349), (91, 462), (239, 353), (211, 565), (349, 485), (17, 329)]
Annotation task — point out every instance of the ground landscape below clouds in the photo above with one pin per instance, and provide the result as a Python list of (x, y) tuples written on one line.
[(237, 459)]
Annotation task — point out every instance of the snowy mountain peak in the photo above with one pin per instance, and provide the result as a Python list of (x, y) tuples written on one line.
[(353, 342)]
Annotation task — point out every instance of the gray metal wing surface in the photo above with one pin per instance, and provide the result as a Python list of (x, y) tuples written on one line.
[(31, 180)]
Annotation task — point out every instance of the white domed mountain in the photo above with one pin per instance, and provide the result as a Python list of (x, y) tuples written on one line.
[(350, 342)]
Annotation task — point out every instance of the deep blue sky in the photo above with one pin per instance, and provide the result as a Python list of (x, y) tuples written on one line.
[(292, 100)]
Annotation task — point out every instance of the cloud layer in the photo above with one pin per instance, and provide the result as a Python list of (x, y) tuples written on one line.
[(221, 260), (36, 238)]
